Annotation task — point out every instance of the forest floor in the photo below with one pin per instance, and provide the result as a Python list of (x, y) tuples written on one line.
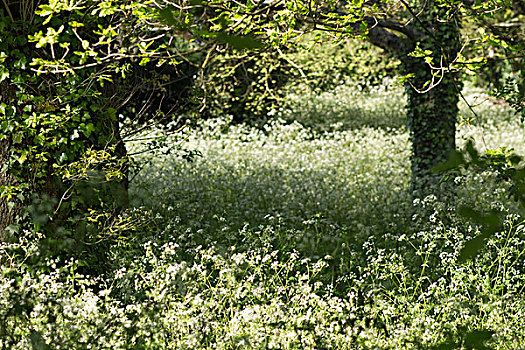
[(302, 234)]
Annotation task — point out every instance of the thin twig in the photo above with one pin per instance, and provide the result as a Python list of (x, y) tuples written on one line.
[(8, 10)]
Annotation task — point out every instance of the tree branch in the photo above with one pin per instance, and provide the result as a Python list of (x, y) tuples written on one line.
[(472, 2), (411, 33), (379, 33), (388, 41)]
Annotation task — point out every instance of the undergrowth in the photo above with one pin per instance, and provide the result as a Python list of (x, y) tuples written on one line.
[(284, 237)]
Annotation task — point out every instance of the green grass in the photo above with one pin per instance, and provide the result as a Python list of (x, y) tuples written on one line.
[(288, 237)]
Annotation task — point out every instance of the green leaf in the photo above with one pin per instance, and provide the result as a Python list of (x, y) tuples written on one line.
[(76, 24), (17, 138), (473, 153), (88, 129), (144, 61), (23, 157), (477, 338), (111, 114), (491, 222), (419, 52), (167, 15), (492, 219), (472, 247), (454, 161), (4, 73), (45, 10), (239, 42), (174, 19)]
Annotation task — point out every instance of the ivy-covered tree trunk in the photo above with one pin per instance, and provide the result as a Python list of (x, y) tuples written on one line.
[(431, 120), (433, 97), (7, 212)]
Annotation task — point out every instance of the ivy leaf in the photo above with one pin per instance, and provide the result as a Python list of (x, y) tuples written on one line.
[(23, 157), (17, 138), (88, 129), (75, 135), (4, 73)]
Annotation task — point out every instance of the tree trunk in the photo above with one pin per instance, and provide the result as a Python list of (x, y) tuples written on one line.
[(431, 120), (432, 115), (7, 213)]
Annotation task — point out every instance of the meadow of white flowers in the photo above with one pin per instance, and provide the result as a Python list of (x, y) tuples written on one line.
[(299, 235)]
